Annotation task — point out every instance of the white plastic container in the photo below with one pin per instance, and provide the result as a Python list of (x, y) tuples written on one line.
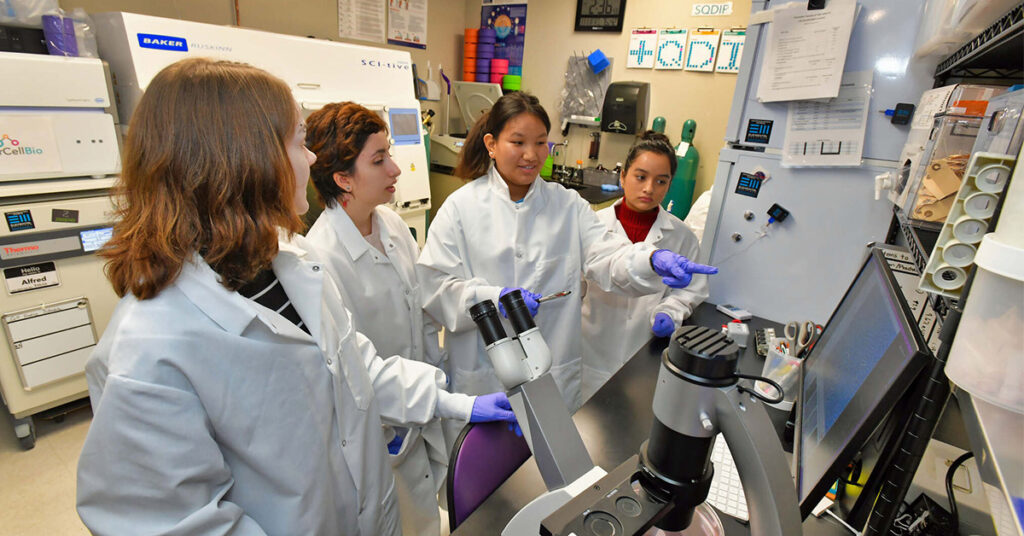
[(987, 357), (783, 369)]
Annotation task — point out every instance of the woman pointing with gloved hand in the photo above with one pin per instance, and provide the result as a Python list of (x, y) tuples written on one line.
[(506, 230), (616, 326)]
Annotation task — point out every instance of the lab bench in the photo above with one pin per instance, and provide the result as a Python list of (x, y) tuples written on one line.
[(613, 424)]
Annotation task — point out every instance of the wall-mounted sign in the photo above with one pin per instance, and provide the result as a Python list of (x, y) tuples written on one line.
[(719, 9)]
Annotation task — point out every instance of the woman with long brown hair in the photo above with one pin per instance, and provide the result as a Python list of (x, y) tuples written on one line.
[(230, 390)]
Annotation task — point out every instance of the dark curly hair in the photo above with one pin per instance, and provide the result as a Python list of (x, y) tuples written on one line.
[(337, 133)]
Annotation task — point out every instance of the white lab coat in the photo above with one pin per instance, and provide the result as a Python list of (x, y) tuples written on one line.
[(697, 217), (482, 241), (616, 326), (215, 415), (381, 291)]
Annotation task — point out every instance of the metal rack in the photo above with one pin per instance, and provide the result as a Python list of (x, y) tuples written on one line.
[(921, 250), (995, 53)]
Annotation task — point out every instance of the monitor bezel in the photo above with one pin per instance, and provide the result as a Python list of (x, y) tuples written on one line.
[(878, 411)]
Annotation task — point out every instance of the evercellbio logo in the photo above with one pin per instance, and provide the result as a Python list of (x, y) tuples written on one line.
[(12, 147), (163, 42)]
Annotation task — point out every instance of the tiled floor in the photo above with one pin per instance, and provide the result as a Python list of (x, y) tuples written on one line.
[(37, 487)]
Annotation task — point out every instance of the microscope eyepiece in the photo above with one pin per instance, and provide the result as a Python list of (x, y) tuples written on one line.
[(485, 314), (517, 311)]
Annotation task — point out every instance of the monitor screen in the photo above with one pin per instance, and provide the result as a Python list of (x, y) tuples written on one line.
[(94, 239), (864, 361)]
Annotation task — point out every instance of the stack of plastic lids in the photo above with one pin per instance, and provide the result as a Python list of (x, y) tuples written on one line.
[(512, 82), (499, 68), (469, 54), (484, 51)]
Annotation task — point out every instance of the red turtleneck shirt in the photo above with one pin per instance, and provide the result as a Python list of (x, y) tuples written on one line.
[(636, 224)]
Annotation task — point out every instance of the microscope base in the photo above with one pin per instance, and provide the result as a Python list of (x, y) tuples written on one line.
[(527, 520)]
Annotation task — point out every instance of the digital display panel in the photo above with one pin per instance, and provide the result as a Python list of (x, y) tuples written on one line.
[(403, 124), (94, 239), (600, 15)]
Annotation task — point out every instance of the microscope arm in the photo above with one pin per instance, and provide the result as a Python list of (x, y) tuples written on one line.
[(760, 462)]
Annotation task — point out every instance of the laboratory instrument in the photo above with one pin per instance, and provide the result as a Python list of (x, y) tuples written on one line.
[(139, 46), (734, 312), (522, 364), (61, 155), (663, 484), (833, 208), (865, 361), (738, 332)]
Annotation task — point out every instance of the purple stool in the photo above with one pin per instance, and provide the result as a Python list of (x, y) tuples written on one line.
[(484, 455)]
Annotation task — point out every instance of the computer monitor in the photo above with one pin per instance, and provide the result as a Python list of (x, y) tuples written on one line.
[(868, 355)]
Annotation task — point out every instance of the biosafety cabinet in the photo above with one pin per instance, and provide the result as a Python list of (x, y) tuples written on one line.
[(318, 72), (59, 154)]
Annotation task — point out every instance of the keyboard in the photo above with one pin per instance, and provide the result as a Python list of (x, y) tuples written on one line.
[(726, 493)]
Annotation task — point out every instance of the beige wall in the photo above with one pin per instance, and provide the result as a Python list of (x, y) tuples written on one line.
[(675, 95), (318, 18)]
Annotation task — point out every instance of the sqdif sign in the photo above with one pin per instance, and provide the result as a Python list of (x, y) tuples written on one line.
[(27, 145), (712, 10)]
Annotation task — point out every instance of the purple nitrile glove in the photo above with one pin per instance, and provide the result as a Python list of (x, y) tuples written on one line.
[(663, 325), (492, 407), (514, 426), (529, 297), (676, 270), (395, 445)]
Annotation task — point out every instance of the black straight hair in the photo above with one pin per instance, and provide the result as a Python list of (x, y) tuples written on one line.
[(474, 159), (654, 142)]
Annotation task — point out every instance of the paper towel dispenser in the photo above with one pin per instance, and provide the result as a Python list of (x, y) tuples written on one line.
[(626, 106)]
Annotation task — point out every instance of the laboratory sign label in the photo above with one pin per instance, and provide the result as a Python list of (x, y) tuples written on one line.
[(720, 9), (31, 277)]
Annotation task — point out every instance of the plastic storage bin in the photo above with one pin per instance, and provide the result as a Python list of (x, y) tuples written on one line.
[(987, 357), (933, 189)]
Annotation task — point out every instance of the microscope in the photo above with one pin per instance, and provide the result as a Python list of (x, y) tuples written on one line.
[(522, 364), (698, 395)]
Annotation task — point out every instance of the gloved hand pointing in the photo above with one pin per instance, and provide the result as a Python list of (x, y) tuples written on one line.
[(492, 407), (675, 270), (663, 325), (529, 297)]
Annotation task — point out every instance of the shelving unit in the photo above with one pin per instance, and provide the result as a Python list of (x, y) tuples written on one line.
[(995, 53), (994, 56)]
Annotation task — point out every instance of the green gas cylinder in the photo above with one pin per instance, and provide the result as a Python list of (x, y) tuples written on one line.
[(658, 125), (680, 192)]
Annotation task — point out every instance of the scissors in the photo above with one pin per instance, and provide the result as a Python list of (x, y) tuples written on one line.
[(801, 336)]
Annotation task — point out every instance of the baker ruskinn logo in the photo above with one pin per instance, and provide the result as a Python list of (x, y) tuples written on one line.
[(12, 147), (163, 42)]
